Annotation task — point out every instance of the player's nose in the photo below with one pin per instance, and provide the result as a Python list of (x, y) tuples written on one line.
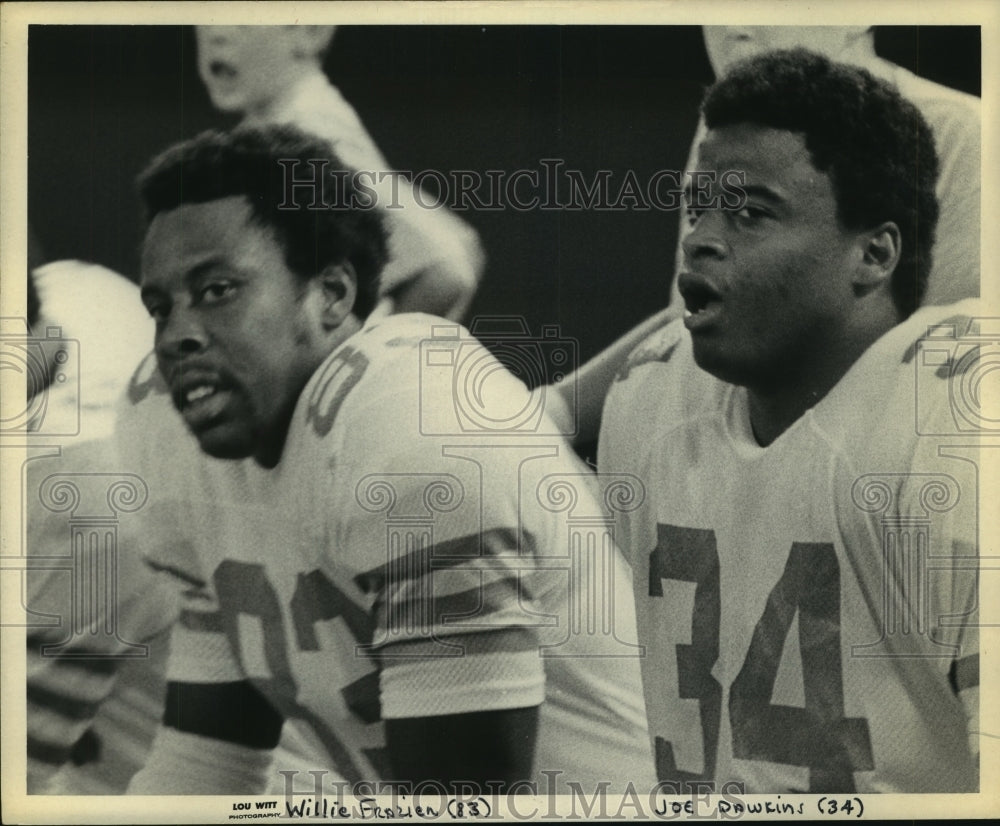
[(180, 335), (705, 237)]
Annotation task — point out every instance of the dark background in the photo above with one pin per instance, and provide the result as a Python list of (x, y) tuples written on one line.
[(104, 99)]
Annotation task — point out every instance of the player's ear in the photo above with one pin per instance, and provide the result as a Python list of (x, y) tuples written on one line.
[(339, 286), (880, 248)]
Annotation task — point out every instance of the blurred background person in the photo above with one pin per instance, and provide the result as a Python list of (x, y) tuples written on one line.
[(274, 74), (91, 709), (100, 311)]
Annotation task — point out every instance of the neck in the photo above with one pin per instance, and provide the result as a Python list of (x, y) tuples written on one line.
[(776, 406), (272, 445), (773, 411), (269, 110)]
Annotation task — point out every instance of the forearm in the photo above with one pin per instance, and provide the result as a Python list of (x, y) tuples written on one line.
[(185, 763), (216, 738), (435, 290), (435, 259)]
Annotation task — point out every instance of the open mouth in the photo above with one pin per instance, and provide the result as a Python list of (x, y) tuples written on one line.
[(222, 71), (200, 402), (701, 303)]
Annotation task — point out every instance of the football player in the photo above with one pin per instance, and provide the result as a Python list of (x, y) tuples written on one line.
[(382, 558), (955, 120), (804, 560)]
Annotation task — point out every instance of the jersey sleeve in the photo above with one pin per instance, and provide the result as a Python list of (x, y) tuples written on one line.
[(912, 497), (454, 630), (431, 528)]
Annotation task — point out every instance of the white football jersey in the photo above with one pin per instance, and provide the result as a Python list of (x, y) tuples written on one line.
[(809, 607), (397, 563)]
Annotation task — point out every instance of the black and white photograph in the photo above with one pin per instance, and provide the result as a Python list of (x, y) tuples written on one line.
[(474, 411)]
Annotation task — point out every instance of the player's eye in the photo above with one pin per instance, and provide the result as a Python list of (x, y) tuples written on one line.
[(215, 291), (750, 214)]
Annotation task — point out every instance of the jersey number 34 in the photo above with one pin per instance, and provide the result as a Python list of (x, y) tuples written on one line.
[(818, 735)]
